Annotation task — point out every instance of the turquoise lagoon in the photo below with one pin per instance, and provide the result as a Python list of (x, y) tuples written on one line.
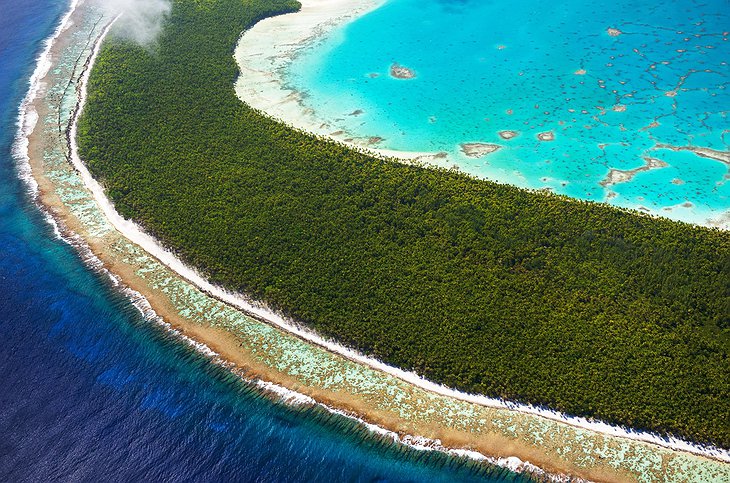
[(609, 80)]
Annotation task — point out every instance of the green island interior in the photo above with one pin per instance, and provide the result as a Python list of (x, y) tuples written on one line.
[(487, 288)]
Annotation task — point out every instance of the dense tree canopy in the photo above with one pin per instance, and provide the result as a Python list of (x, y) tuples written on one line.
[(583, 307)]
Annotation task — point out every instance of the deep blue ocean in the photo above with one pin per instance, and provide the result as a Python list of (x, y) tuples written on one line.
[(91, 391)]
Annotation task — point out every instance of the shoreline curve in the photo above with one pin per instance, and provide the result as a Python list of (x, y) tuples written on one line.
[(261, 62), (137, 235), (133, 233)]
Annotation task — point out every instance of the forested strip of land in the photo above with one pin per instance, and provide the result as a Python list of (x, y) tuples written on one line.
[(487, 288)]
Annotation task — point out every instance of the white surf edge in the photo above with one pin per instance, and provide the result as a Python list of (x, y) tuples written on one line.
[(136, 235), (285, 395), (419, 443), (292, 398), (27, 115)]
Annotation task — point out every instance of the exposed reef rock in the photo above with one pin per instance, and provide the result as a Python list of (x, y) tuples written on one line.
[(478, 150), (546, 136), (508, 134), (616, 176), (399, 72)]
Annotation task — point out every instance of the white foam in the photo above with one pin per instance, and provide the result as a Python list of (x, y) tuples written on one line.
[(421, 443), (285, 394)]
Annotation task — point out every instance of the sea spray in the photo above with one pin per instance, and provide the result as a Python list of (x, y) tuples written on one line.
[(143, 19)]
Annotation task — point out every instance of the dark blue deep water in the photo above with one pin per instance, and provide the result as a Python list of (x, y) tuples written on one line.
[(90, 390)]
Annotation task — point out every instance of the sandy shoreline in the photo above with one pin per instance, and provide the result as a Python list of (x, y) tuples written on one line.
[(110, 243)]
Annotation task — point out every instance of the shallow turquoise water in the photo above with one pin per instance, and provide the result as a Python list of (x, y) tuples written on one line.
[(483, 67)]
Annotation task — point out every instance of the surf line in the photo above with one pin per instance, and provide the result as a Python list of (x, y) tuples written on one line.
[(135, 234), (27, 115)]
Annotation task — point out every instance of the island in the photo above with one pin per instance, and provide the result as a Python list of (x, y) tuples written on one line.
[(349, 276)]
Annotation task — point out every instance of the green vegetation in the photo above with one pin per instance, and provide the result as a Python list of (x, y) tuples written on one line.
[(582, 307)]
